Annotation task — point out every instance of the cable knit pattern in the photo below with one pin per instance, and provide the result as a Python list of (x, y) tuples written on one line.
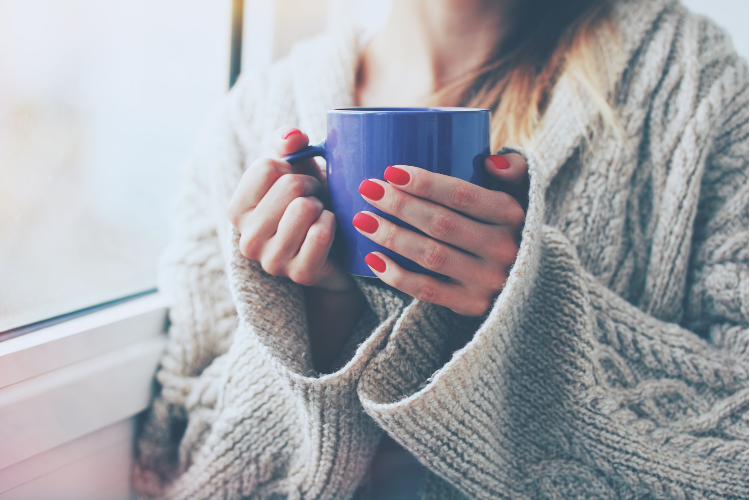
[(614, 364)]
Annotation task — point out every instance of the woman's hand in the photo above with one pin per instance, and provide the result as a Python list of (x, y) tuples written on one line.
[(278, 212), (473, 233)]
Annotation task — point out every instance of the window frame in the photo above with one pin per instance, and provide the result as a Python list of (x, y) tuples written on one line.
[(61, 383)]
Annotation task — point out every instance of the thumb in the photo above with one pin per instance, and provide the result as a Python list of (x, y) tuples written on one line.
[(511, 167), (288, 140), (512, 174)]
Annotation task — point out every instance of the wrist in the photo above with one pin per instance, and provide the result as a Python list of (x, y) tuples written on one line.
[(331, 317), (336, 282)]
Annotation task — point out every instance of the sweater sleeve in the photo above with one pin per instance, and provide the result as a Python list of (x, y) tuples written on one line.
[(239, 411), (568, 390), (202, 323)]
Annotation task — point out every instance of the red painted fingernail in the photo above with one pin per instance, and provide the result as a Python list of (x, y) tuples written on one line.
[(365, 222), (396, 176), (375, 262), (500, 162), (371, 190), (290, 133)]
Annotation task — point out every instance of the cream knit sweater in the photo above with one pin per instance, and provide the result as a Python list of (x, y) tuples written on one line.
[(613, 364)]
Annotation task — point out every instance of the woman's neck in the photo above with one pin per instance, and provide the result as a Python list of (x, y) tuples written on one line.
[(426, 44)]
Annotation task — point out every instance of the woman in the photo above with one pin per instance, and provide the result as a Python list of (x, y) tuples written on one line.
[(604, 356)]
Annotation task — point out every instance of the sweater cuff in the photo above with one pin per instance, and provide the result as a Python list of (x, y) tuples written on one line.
[(430, 397), (337, 438)]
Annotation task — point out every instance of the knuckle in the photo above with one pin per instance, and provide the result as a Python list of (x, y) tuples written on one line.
[(320, 235), (443, 226), (304, 207), (302, 276), (250, 244), (505, 251), (251, 241), (515, 214), (247, 247), (477, 307), (314, 206), (261, 165), (513, 250), (294, 209), (434, 256), (397, 202), (496, 279), (293, 184), (464, 196), (428, 293), (273, 266), (387, 235)]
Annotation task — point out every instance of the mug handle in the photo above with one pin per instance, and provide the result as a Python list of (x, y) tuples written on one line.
[(306, 153)]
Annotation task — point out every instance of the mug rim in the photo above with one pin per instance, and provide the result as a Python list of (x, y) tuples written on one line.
[(396, 109)]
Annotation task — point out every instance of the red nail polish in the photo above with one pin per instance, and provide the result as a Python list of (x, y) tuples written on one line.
[(371, 190), (500, 162), (396, 176), (365, 222), (290, 133), (375, 262)]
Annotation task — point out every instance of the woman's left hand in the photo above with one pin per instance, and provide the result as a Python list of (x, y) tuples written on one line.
[(473, 232)]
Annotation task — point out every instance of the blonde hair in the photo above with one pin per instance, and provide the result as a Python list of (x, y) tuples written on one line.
[(573, 37)]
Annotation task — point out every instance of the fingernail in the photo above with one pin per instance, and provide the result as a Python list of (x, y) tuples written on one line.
[(499, 162), (396, 176), (375, 262), (365, 222), (290, 133), (371, 190)]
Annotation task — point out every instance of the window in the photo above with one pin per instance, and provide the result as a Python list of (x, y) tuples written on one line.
[(99, 105)]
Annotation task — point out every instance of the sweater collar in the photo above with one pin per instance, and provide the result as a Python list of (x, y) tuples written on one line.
[(569, 118)]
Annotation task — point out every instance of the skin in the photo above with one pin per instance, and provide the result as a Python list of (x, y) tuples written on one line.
[(426, 44), (279, 211)]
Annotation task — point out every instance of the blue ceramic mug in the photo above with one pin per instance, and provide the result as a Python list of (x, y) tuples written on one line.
[(362, 142)]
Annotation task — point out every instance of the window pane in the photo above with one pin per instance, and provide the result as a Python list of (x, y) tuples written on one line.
[(100, 102)]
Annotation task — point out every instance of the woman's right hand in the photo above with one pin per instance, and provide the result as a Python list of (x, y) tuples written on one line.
[(278, 212)]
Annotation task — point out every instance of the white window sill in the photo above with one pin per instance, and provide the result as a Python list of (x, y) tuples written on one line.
[(69, 380)]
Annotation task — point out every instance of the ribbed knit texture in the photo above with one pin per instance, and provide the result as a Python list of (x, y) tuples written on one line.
[(612, 365)]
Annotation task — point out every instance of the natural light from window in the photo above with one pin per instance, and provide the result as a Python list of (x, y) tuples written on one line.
[(99, 105)]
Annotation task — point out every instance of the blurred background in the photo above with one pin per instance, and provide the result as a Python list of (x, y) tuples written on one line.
[(100, 102)]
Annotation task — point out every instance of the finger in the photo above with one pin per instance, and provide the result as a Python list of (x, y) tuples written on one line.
[(254, 185), (313, 261), (510, 167), (293, 226), (260, 224), (474, 201), (288, 140), (426, 252), (435, 220), (425, 288), (512, 174)]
